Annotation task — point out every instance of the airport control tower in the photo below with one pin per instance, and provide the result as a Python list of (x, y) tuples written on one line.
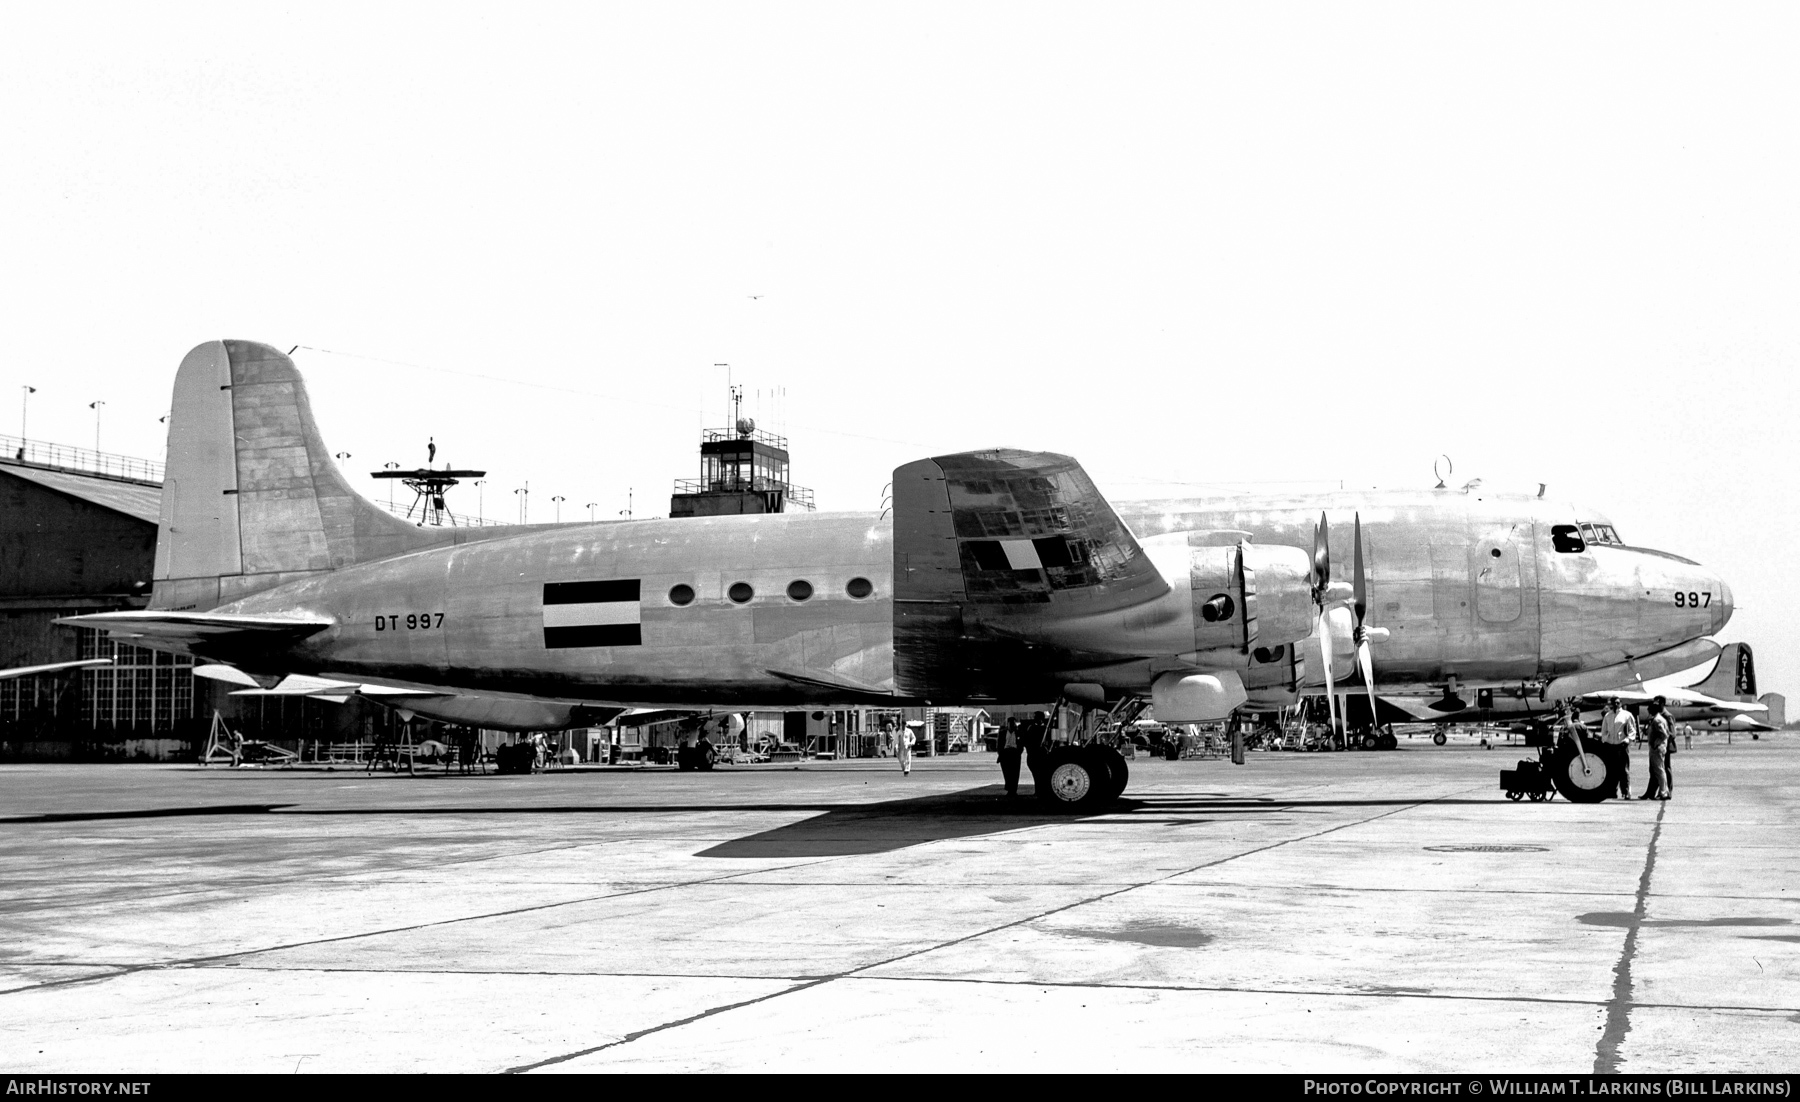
[(742, 470)]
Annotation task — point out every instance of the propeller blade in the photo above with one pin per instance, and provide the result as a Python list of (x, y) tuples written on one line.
[(1368, 672), (1359, 583), (1322, 553), (1325, 654)]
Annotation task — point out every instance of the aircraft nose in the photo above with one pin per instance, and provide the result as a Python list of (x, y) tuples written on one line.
[(1722, 610)]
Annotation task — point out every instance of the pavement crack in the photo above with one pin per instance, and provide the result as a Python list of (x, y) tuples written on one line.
[(689, 1020), (1618, 1008)]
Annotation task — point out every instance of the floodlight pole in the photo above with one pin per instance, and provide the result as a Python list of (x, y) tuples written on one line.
[(480, 495), (524, 496), (390, 466), (95, 406), (559, 499), (24, 401), (590, 508)]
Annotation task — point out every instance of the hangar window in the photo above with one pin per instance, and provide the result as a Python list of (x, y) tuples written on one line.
[(740, 593), (1566, 538), (681, 595), (859, 588), (799, 590)]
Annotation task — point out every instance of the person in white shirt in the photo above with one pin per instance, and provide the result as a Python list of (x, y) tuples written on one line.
[(1618, 729)]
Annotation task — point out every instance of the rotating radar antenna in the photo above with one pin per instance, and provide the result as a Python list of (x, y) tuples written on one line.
[(429, 487)]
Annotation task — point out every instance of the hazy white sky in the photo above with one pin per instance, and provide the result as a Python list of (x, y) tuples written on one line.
[(1233, 242)]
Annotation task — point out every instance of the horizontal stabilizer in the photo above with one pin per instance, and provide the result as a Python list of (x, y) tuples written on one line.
[(196, 632), (299, 684), (53, 667)]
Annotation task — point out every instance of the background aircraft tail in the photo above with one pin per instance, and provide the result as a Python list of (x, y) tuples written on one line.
[(1776, 716), (251, 498), (1734, 677)]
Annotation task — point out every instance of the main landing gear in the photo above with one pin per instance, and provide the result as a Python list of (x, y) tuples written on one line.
[(1087, 774), (1084, 777)]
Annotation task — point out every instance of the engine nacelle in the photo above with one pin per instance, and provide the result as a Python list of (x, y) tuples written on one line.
[(1248, 595)]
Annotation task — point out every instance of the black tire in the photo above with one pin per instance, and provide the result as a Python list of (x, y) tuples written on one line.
[(1577, 784), (1371, 741), (1389, 741), (1075, 781), (1512, 795), (1118, 772), (1440, 738)]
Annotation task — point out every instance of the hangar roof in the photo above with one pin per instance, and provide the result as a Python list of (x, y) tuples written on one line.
[(135, 499)]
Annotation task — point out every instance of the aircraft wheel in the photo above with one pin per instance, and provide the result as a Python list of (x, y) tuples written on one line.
[(1371, 741), (1118, 773), (1077, 781), (1440, 738), (1581, 781), (1538, 797), (1389, 742), (1516, 795)]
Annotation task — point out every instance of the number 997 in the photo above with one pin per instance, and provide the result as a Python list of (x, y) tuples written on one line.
[(1692, 599)]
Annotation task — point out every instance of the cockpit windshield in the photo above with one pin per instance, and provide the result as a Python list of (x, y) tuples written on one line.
[(1572, 539)]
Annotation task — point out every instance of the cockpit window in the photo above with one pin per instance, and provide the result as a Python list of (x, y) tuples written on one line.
[(1599, 533), (1566, 538)]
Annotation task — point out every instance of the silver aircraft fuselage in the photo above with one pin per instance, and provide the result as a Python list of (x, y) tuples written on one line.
[(1470, 586)]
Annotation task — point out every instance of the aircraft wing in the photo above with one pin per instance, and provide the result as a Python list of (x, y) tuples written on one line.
[(1686, 698), (185, 630), (53, 667)]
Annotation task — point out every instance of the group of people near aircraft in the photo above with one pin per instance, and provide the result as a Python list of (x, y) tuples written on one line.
[(1618, 730)]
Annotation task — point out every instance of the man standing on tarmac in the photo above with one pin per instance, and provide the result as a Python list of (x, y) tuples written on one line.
[(1011, 747), (1035, 733), (1661, 733), (1617, 730)]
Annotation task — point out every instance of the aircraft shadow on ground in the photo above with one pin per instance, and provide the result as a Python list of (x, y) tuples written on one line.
[(837, 829), (898, 824)]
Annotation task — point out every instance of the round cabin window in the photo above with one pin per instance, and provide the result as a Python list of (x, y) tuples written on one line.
[(682, 595), (740, 593), (799, 590), (859, 588)]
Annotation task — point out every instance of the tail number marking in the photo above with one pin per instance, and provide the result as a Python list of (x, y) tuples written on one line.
[(1692, 599), (412, 621)]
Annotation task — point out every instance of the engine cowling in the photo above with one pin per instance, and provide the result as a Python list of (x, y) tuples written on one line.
[(1248, 595)]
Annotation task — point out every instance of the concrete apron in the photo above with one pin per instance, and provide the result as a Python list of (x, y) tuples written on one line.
[(1303, 912)]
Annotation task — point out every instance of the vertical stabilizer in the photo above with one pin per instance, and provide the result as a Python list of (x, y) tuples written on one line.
[(251, 498), (1734, 678)]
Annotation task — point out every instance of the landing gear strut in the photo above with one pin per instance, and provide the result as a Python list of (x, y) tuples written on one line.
[(1085, 776)]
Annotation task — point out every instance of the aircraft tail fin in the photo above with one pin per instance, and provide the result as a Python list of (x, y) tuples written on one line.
[(251, 498), (1734, 677), (1776, 716)]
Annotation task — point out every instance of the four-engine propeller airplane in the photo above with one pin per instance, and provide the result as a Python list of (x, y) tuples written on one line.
[(1001, 575)]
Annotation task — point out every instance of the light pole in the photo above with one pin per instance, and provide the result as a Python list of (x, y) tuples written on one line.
[(626, 512), (590, 508), (341, 456), (480, 494), (24, 400), (95, 406), (524, 496), (559, 499), (390, 482)]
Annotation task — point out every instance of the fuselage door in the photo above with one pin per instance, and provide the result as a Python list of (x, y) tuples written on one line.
[(1499, 589)]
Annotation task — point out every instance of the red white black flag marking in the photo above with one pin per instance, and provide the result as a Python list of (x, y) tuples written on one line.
[(592, 614)]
